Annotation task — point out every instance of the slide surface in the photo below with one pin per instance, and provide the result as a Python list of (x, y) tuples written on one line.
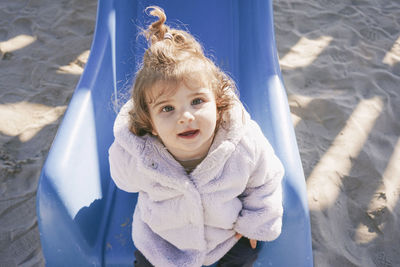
[(84, 220)]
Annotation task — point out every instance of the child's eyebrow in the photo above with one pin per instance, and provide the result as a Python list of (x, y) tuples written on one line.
[(159, 103), (198, 94)]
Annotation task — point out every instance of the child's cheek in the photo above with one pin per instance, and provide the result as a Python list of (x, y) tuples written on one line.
[(168, 119), (209, 111), (208, 107)]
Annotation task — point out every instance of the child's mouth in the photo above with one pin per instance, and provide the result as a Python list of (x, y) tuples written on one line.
[(189, 134)]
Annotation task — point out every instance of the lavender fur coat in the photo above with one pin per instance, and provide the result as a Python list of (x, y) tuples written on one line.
[(191, 220)]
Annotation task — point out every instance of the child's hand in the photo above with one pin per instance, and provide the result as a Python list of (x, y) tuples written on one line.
[(253, 242)]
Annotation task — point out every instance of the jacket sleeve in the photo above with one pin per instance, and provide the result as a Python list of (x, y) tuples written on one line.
[(122, 168), (261, 215)]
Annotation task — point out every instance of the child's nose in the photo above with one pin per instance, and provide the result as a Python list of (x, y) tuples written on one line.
[(186, 117)]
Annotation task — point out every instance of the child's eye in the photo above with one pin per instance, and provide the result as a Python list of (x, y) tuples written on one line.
[(197, 101), (167, 109)]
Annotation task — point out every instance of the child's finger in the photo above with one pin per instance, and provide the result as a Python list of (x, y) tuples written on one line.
[(253, 243), (238, 236)]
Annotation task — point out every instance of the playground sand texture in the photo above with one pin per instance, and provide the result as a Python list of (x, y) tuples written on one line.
[(340, 63)]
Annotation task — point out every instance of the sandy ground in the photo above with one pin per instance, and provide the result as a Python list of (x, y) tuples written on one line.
[(44, 45), (341, 66)]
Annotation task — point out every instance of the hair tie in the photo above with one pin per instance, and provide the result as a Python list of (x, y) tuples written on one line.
[(167, 35)]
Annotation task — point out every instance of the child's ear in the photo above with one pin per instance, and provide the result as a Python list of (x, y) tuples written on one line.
[(153, 130)]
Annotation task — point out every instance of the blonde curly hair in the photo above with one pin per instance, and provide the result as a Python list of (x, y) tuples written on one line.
[(174, 56)]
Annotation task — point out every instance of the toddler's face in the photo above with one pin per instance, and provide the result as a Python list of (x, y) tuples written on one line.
[(184, 120)]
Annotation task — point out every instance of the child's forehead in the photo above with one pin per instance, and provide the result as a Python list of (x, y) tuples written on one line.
[(165, 89), (161, 88)]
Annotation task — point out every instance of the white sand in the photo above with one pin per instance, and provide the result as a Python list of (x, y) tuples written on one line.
[(341, 66), (43, 47)]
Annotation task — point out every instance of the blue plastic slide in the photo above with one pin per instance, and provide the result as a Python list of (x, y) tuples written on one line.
[(84, 220)]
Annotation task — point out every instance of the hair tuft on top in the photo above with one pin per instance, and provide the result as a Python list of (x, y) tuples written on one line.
[(156, 31)]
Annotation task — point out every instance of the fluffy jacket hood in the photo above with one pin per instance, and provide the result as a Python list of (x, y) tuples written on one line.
[(230, 132)]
